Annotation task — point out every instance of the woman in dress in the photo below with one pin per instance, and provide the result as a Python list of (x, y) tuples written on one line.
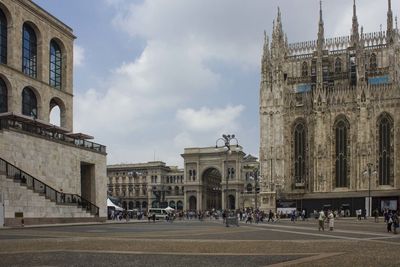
[(331, 220)]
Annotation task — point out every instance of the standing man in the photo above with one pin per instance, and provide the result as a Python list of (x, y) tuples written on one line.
[(376, 215), (270, 216), (321, 220)]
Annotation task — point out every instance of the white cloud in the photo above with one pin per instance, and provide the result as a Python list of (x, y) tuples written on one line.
[(206, 119), (160, 79), (175, 94), (79, 55)]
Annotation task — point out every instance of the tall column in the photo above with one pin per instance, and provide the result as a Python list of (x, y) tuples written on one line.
[(237, 199), (223, 206), (199, 200), (149, 192), (185, 200)]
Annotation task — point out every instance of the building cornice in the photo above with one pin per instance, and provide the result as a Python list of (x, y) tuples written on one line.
[(35, 9)]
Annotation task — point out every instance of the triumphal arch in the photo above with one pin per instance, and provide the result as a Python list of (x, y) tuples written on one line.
[(215, 178)]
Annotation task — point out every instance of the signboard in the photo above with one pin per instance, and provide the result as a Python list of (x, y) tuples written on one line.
[(378, 80), (388, 205), (286, 204), (302, 88)]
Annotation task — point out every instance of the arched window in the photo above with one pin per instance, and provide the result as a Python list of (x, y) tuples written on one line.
[(338, 65), (304, 69), (179, 205), (29, 51), (372, 63), (341, 152), (231, 173), (55, 65), (299, 154), (249, 188), (3, 38), (3, 96), (55, 113), (385, 126), (29, 103)]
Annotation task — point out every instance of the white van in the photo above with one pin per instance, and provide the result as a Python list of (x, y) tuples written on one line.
[(160, 213)]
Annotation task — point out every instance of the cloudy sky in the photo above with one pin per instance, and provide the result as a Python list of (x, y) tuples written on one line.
[(152, 77)]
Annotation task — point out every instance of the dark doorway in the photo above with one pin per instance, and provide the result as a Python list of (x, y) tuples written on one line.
[(192, 203), (231, 202), (88, 189)]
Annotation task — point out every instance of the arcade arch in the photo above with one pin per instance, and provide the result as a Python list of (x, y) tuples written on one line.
[(212, 189)]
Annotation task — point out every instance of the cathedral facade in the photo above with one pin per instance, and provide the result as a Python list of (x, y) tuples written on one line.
[(329, 120)]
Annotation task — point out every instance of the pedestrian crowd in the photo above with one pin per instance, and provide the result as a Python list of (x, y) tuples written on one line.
[(325, 217)]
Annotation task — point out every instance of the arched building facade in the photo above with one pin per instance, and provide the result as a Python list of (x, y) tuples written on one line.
[(36, 76)]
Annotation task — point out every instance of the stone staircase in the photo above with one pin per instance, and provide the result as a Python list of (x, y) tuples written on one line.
[(37, 203)]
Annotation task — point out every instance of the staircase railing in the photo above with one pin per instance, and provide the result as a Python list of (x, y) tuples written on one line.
[(49, 192)]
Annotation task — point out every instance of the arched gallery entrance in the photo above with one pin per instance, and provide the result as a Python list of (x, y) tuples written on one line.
[(231, 202), (192, 203), (212, 189)]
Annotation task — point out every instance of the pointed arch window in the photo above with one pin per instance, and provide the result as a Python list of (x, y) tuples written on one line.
[(55, 65), (249, 188), (3, 38), (299, 154), (341, 153), (29, 51), (385, 126), (304, 69), (372, 62), (338, 65), (29, 103), (3, 96)]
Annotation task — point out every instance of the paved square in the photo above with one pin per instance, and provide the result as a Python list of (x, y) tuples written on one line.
[(206, 243)]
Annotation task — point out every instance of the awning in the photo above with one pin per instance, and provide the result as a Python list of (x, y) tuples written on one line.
[(32, 121), (112, 205), (80, 136)]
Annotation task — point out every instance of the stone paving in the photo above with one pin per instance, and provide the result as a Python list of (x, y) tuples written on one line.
[(207, 243)]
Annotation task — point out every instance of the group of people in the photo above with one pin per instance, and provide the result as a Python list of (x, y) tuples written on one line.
[(326, 217), (392, 220), (249, 215)]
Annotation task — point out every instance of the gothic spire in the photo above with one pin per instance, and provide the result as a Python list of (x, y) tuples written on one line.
[(265, 57), (278, 37), (321, 37), (355, 36), (266, 46), (389, 20), (278, 32)]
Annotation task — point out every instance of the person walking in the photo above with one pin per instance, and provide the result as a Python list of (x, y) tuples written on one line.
[(270, 216), (395, 218), (249, 218), (358, 212), (376, 215), (331, 220), (321, 220), (389, 222), (293, 216)]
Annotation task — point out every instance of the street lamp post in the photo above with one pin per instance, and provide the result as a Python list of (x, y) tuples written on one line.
[(255, 188), (226, 139), (255, 178)]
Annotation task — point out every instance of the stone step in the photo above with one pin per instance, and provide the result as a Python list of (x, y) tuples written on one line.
[(19, 198)]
